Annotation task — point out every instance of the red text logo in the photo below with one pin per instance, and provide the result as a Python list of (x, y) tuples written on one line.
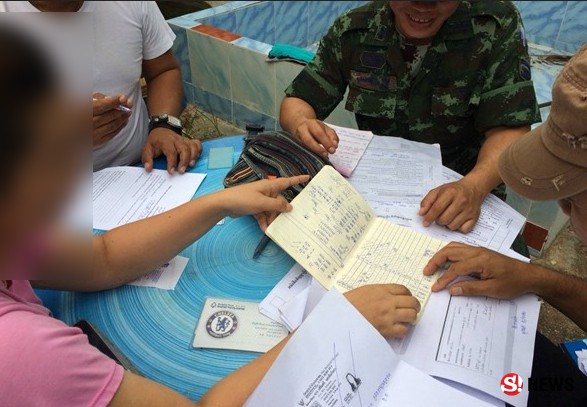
[(511, 384)]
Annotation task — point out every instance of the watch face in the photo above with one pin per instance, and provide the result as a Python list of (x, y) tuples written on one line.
[(174, 121)]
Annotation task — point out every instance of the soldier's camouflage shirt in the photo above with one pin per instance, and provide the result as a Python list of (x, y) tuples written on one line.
[(475, 76)]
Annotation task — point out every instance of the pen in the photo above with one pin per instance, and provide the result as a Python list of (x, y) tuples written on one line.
[(261, 246), (121, 108)]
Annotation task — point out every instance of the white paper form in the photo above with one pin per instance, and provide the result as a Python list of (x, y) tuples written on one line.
[(351, 147), (122, 195), (394, 171), (496, 229), (474, 341), (294, 282), (336, 358), (164, 277)]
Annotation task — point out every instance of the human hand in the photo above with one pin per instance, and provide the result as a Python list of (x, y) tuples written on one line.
[(264, 219), (107, 120), (456, 205), (259, 197), (499, 276), (317, 136), (172, 145), (390, 308)]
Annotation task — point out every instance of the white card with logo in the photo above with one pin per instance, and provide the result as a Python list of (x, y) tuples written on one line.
[(231, 324)]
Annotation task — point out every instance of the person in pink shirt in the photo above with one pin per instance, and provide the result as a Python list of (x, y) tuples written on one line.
[(44, 362)]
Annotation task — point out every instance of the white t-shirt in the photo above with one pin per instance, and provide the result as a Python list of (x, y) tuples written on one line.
[(125, 34)]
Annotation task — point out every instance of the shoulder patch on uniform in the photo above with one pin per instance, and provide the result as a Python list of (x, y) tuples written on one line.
[(524, 69)]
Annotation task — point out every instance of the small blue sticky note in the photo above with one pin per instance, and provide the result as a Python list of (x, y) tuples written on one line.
[(220, 157)]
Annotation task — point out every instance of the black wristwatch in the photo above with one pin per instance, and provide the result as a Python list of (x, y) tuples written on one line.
[(166, 121)]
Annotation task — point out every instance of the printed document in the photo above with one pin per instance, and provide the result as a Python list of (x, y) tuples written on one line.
[(336, 358), (289, 287), (122, 195), (334, 234), (474, 341), (397, 171), (164, 277), (351, 147), (496, 229)]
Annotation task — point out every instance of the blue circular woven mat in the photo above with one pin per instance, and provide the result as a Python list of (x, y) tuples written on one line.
[(154, 328)]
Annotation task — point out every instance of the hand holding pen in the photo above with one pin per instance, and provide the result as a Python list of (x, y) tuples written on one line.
[(110, 115)]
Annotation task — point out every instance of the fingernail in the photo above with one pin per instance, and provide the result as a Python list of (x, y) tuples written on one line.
[(331, 150), (192, 163), (182, 170), (172, 171), (456, 291), (426, 223)]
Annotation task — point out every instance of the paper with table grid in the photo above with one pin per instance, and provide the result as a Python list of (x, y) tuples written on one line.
[(334, 234)]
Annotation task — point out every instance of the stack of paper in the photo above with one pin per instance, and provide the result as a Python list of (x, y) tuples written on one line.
[(395, 174)]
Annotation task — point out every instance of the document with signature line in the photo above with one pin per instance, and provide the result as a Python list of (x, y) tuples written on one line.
[(334, 235), (337, 358)]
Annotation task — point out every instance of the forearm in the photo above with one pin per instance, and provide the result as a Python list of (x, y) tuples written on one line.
[(485, 174), (237, 387), (128, 252), (566, 293), (293, 112), (165, 93)]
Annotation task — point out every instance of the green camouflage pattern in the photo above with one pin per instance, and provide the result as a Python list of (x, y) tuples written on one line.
[(474, 77)]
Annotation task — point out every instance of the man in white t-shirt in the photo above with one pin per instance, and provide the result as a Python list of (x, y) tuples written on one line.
[(131, 39)]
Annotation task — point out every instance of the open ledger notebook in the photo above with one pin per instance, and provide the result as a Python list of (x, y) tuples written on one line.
[(334, 234)]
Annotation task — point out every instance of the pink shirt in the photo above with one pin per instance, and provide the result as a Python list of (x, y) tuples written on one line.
[(44, 362)]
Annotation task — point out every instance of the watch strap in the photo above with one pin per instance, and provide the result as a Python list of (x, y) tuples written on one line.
[(166, 126)]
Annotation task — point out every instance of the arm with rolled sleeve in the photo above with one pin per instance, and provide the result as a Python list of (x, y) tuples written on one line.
[(508, 103), (314, 94), (507, 108)]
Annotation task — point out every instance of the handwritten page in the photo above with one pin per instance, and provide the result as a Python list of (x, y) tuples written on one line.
[(122, 195), (390, 253), (164, 277), (337, 358), (334, 235), (351, 147), (396, 169), (328, 219)]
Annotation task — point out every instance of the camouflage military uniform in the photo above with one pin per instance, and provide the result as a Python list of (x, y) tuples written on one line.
[(474, 76)]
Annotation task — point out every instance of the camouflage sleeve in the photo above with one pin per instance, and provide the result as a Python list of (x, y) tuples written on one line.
[(322, 83), (508, 97)]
